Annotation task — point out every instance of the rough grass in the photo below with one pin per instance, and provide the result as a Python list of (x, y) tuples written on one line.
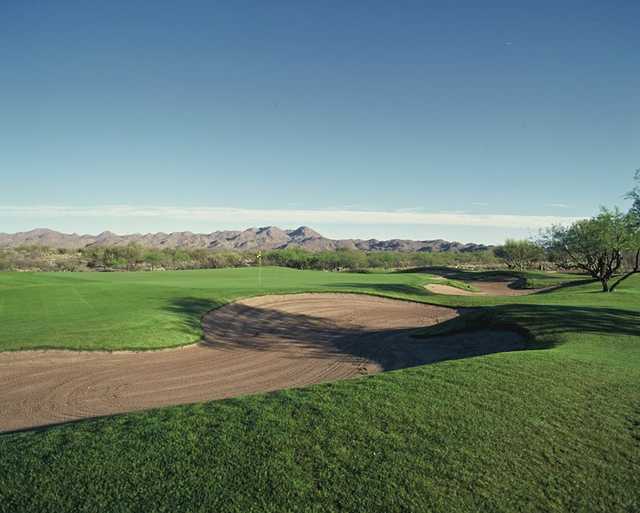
[(547, 430)]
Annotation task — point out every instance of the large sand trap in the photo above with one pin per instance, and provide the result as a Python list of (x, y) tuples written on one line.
[(254, 345)]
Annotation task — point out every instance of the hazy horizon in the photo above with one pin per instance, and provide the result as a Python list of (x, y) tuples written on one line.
[(364, 225)]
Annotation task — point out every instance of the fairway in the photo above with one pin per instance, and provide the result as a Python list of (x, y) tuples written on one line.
[(151, 310), (553, 426)]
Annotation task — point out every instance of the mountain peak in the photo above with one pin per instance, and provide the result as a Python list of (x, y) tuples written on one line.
[(304, 232), (40, 231), (105, 234)]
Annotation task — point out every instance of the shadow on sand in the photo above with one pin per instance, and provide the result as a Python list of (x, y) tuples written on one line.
[(239, 326)]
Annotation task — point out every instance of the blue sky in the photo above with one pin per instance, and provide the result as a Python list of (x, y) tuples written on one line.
[(360, 119)]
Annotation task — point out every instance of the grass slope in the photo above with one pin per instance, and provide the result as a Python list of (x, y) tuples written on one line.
[(547, 430)]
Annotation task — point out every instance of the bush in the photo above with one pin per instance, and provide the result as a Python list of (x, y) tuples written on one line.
[(520, 254)]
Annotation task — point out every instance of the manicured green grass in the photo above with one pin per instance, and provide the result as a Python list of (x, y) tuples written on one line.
[(538, 279), (551, 429)]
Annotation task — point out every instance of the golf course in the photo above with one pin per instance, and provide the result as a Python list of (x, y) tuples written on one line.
[(346, 391), (320, 257)]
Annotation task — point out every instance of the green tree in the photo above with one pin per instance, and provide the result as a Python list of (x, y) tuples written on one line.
[(634, 195), (154, 258), (595, 245), (113, 258), (133, 254), (5, 261), (519, 254), (634, 221)]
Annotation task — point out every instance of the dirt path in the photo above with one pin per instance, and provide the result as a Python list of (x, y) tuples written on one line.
[(254, 345), (486, 288)]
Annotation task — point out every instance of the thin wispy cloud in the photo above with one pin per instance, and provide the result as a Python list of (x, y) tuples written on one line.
[(480, 204), (346, 207), (557, 205), (410, 209), (287, 217)]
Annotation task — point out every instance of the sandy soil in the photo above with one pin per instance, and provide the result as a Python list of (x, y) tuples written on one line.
[(485, 288), (254, 345)]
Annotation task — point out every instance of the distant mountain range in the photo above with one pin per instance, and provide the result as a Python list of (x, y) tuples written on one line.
[(269, 237)]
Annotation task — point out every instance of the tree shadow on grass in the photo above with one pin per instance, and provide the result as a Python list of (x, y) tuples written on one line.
[(568, 285), (514, 279), (554, 319), (191, 309), (464, 275), (541, 323)]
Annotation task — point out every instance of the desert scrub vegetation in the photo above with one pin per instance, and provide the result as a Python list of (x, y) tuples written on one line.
[(40, 258), (134, 257)]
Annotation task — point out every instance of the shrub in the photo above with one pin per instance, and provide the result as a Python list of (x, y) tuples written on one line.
[(520, 254)]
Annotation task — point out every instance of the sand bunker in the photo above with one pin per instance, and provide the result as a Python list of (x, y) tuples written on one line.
[(254, 345), (487, 288)]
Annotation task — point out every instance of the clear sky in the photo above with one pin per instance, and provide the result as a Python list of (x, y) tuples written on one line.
[(361, 119)]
